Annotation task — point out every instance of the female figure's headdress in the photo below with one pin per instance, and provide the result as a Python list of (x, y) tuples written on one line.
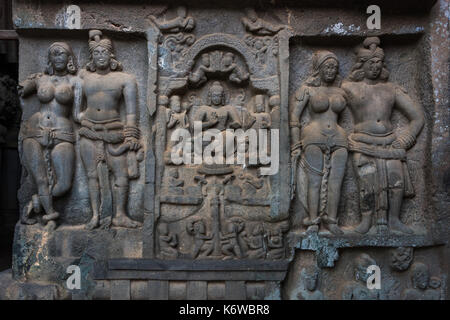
[(318, 58), (71, 67)]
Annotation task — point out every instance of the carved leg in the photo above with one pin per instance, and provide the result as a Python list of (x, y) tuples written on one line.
[(63, 159), (365, 171), (35, 163), (119, 168), (314, 157), (396, 193), (338, 162), (87, 152), (120, 218)]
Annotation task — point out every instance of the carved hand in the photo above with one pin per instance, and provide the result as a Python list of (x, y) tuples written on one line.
[(214, 118), (133, 143), (404, 141)]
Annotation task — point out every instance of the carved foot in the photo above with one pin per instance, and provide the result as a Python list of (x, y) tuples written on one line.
[(51, 225), (50, 216), (365, 224), (313, 229), (397, 225), (334, 229), (25, 219), (122, 220), (94, 223)]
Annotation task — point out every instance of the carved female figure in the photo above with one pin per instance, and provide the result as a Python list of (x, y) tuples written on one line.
[(47, 136), (321, 145)]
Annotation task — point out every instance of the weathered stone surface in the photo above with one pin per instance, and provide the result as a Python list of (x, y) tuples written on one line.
[(352, 172)]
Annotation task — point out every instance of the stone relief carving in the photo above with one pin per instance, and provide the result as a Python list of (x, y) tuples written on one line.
[(175, 39), (107, 143), (319, 148), (47, 137), (378, 153), (310, 284), (258, 26), (356, 289), (229, 211), (401, 258), (424, 287)]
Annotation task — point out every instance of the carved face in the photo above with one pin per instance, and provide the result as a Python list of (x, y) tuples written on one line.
[(216, 96), (329, 70), (228, 59), (421, 278), (258, 44), (101, 57), (372, 68), (259, 104), (175, 104), (59, 58), (199, 227), (311, 281)]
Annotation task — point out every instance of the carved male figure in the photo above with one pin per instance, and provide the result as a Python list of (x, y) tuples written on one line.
[(167, 242), (230, 241), (106, 143), (255, 242), (197, 228), (182, 22), (310, 277), (237, 74), (322, 143), (176, 119), (47, 136), (199, 75), (258, 26), (217, 115), (379, 154)]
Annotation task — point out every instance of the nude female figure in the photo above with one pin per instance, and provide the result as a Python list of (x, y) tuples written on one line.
[(47, 136), (321, 145)]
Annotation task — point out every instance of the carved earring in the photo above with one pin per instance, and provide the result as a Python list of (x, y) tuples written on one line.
[(113, 64), (70, 65), (50, 70)]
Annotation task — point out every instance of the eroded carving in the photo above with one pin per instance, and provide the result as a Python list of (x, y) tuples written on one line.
[(310, 284), (107, 143), (378, 153), (258, 26), (47, 137), (424, 287), (401, 258), (319, 148), (356, 289)]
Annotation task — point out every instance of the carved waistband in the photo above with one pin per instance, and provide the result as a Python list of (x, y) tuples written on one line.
[(49, 135), (383, 151), (110, 132), (373, 139)]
